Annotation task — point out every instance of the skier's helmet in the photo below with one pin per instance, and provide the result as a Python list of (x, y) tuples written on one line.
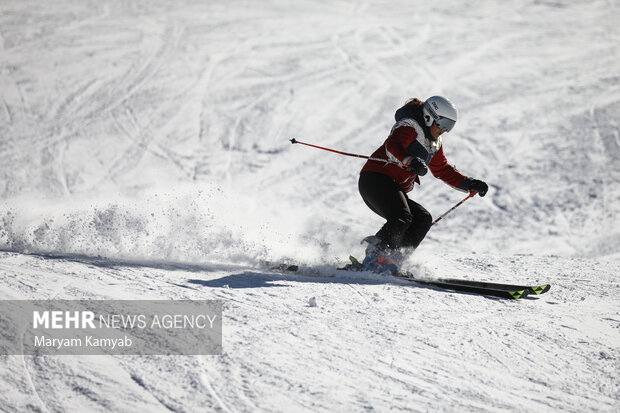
[(440, 110)]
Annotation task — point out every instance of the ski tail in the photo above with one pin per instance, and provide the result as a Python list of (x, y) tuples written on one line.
[(354, 265)]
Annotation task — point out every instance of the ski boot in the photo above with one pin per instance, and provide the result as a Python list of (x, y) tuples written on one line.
[(378, 259)]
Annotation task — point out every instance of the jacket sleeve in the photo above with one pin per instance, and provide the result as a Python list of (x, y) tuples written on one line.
[(441, 169), (398, 141)]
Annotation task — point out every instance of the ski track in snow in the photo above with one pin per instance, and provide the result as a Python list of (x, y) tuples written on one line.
[(144, 154), (403, 347)]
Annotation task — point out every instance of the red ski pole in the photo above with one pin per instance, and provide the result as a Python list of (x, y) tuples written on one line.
[(471, 194), (351, 154), (454, 207)]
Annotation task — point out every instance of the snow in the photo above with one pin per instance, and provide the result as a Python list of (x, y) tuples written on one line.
[(144, 154)]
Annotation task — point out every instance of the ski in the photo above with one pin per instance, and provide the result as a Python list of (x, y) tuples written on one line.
[(468, 288), (531, 289), (460, 285)]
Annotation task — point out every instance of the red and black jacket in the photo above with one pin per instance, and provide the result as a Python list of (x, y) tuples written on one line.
[(411, 137)]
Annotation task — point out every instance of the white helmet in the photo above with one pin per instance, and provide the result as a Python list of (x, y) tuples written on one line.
[(441, 111)]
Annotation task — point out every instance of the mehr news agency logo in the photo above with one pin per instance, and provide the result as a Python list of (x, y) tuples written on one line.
[(88, 320)]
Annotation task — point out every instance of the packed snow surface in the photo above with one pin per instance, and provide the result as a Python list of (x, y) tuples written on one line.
[(145, 154)]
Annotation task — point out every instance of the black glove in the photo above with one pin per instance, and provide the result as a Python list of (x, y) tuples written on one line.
[(479, 186), (415, 165)]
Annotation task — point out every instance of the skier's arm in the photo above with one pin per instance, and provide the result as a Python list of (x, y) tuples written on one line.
[(441, 169)]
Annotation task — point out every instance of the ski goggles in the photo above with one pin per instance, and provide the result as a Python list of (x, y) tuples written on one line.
[(445, 124)]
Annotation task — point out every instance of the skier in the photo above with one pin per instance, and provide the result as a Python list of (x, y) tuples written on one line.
[(415, 141)]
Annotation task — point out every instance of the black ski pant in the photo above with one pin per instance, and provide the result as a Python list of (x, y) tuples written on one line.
[(407, 221)]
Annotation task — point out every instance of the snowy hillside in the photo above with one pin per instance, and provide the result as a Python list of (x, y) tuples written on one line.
[(145, 154)]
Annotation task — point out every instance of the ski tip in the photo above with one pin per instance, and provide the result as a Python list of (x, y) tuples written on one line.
[(518, 294), (541, 289)]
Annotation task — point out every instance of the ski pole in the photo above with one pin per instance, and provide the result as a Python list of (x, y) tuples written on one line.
[(352, 154), (471, 194), (454, 207)]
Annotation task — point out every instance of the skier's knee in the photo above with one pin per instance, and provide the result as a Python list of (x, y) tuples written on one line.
[(405, 219), (426, 221)]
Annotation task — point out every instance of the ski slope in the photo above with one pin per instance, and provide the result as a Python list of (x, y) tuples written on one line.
[(144, 154)]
